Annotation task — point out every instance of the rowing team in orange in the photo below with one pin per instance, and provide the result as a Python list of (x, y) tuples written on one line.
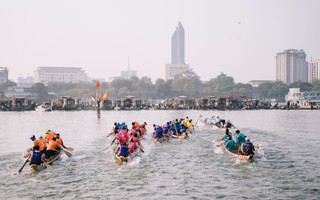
[(44, 148), (128, 141)]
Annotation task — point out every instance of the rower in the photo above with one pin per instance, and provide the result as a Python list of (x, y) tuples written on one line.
[(247, 147), (239, 138), (230, 144), (37, 156), (36, 143), (59, 140), (123, 150), (52, 148), (43, 144)]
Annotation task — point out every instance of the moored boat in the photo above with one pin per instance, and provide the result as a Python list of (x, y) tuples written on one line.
[(43, 108)]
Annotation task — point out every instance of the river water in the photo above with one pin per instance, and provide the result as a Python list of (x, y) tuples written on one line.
[(179, 169)]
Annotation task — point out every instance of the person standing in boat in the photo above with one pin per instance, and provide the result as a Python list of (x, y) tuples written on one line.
[(36, 156), (52, 148), (247, 147), (239, 138)]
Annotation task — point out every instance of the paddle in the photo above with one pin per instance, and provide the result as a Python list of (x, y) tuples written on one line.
[(20, 170), (141, 149), (47, 165), (66, 152), (110, 134), (68, 148), (113, 141)]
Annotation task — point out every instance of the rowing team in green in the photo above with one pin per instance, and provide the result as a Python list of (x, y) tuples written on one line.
[(176, 129), (239, 144), (127, 141), (44, 149)]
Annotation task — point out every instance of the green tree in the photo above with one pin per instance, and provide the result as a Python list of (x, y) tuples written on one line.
[(163, 89), (278, 91), (221, 83), (41, 90)]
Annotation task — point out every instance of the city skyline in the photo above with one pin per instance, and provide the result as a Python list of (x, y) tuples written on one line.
[(240, 39)]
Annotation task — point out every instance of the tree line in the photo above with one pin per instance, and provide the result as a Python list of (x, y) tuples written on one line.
[(191, 87)]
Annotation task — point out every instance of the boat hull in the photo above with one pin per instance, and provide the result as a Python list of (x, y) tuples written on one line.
[(49, 161), (243, 157)]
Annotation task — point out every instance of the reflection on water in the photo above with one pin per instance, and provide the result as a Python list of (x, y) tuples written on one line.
[(189, 169)]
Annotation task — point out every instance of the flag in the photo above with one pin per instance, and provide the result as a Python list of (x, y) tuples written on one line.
[(92, 96), (105, 96), (97, 84)]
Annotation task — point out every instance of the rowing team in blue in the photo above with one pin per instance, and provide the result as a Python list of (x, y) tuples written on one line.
[(173, 129), (128, 141), (239, 144)]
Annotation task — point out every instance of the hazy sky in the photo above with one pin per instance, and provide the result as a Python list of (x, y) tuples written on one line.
[(237, 37)]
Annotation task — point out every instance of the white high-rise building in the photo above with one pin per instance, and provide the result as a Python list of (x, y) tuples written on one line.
[(60, 75), (3, 74), (177, 65), (314, 71), (291, 66)]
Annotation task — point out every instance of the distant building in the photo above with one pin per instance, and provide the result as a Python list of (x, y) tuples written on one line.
[(291, 66), (256, 83), (20, 92), (60, 75), (296, 95), (177, 65), (314, 71), (128, 74), (171, 70), (3, 74), (27, 82)]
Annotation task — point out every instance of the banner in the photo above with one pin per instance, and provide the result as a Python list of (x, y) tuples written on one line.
[(97, 84)]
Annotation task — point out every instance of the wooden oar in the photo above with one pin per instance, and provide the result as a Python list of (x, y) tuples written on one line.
[(66, 152), (141, 149), (69, 148), (110, 134), (113, 141), (20, 170), (47, 165)]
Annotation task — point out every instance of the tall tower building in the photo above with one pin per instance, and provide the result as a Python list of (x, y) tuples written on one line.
[(291, 66), (177, 45), (314, 70), (177, 65), (4, 74)]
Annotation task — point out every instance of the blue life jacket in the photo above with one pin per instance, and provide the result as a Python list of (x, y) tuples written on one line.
[(124, 151), (178, 126), (159, 132), (36, 158), (247, 148)]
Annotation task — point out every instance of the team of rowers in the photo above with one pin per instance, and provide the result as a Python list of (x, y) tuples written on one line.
[(128, 141), (176, 129), (239, 143), (45, 147), (216, 121)]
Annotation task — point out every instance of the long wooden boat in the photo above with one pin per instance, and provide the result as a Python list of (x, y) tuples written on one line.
[(243, 157), (49, 161)]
